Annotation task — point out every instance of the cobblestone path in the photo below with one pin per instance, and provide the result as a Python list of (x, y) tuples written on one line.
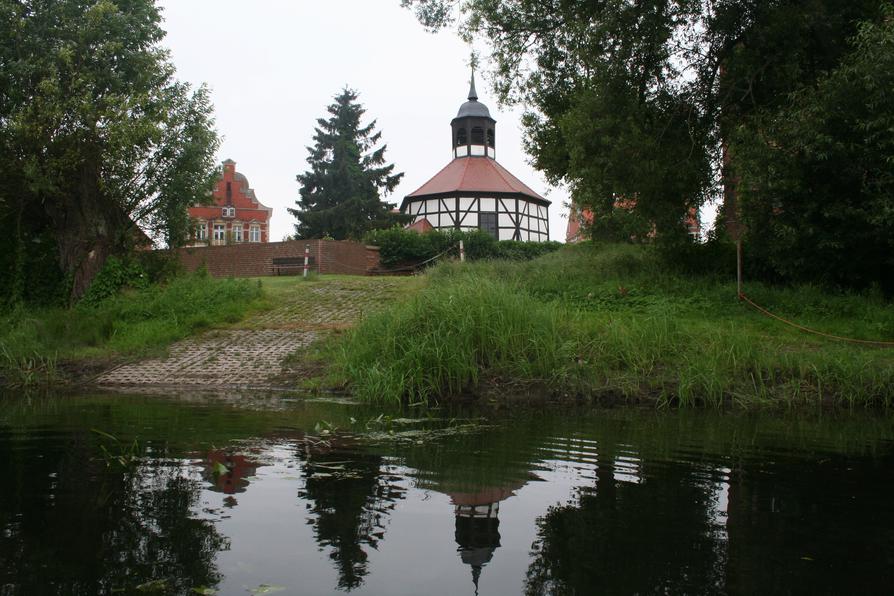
[(251, 353)]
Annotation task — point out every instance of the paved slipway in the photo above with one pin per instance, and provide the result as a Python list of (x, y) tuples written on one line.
[(253, 353)]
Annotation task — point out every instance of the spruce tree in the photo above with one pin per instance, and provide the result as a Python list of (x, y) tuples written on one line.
[(341, 192)]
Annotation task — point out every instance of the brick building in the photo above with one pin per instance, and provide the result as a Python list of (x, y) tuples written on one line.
[(235, 217)]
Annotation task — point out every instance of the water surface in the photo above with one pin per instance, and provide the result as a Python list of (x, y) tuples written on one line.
[(229, 494)]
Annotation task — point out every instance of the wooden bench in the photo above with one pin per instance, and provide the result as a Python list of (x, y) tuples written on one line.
[(290, 265)]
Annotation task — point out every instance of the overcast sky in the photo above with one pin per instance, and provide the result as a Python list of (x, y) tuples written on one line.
[(274, 65)]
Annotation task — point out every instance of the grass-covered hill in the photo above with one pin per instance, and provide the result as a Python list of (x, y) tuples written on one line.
[(615, 322)]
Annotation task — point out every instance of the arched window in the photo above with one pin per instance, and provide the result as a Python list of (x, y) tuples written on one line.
[(490, 137), (477, 135), (461, 137)]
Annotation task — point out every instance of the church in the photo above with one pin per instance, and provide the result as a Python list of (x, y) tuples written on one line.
[(473, 191)]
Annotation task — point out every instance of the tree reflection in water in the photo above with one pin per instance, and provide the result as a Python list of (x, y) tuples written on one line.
[(349, 497), (75, 526), (653, 536)]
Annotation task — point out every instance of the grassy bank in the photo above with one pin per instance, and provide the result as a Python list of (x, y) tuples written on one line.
[(613, 322), (49, 344)]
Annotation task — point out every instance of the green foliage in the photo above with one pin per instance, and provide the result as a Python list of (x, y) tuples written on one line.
[(616, 322), (401, 247), (98, 141), (786, 103), (135, 272), (115, 275), (132, 323), (341, 192), (817, 188)]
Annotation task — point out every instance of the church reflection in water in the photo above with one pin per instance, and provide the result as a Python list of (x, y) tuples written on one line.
[(478, 526)]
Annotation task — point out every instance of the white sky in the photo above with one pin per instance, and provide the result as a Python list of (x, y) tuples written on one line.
[(274, 65)]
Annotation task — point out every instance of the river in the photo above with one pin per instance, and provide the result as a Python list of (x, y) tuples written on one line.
[(241, 493)]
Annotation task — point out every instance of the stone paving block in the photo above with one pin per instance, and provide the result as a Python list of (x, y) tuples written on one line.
[(253, 357)]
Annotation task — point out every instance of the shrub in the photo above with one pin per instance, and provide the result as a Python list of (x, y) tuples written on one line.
[(400, 247), (116, 274)]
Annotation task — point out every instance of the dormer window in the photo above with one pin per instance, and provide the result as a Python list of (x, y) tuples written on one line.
[(229, 211)]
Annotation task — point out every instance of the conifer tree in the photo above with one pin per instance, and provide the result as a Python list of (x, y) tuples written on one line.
[(341, 192)]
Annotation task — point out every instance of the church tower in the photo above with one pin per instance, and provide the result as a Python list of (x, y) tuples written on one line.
[(473, 191), (473, 129)]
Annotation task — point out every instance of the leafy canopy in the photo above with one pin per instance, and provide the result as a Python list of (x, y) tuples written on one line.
[(341, 192), (98, 141), (776, 105)]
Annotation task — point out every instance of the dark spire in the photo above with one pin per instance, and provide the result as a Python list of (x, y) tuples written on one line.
[(473, 95)]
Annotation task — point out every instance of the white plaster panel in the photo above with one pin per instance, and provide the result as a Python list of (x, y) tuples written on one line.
[(462, 151), (504, 219), (487, 205), (465, 203), (506, 234), (471, 220), (477, 149), (433, 205)]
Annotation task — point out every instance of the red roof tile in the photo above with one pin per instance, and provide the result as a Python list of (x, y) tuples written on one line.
[(474, 174)]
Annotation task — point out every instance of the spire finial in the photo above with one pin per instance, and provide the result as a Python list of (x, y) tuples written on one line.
[(473, 64)]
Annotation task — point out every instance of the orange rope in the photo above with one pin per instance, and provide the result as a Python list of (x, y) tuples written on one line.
[(742, 296)]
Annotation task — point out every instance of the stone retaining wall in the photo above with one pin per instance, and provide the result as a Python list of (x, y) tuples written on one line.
[(255, 260)]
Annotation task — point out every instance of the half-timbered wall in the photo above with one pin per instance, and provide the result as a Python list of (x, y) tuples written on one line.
[(517, 218)]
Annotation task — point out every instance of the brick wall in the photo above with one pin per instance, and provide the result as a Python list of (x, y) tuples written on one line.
[(255, 260)]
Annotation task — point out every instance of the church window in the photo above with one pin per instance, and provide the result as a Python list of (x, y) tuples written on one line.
[(487, 222), (477, 135)]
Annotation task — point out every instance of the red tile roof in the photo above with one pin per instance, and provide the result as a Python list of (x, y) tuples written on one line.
[(474, 174)]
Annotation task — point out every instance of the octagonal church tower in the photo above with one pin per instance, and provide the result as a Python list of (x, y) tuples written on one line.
[(474, 192)]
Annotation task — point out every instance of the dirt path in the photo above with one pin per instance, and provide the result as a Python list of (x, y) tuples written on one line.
[(251, 353)]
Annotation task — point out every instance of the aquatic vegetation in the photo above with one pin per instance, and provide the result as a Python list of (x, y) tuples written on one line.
[(117, 453)]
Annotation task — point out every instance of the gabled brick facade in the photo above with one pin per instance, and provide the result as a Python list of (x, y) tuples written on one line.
[(235, 217)]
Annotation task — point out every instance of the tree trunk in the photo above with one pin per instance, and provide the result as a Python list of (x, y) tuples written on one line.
[(88, 228)]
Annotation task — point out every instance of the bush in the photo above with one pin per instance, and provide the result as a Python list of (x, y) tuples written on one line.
[(400, 247), (116, 274)]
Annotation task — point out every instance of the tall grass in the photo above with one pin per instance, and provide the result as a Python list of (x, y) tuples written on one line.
[(612, 321), (440, 341), (128, 324)]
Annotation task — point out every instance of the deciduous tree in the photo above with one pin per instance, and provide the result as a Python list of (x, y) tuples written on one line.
[(102, 141), (776, 102)]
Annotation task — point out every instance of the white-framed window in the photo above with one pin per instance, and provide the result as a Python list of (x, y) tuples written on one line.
[(220, 233), (229, 211), (201, 230), (254, 233), (237, 232)]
